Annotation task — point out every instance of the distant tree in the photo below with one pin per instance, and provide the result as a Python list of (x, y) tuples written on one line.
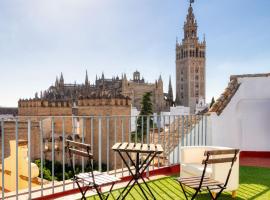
[(212, 102), (146, 113)]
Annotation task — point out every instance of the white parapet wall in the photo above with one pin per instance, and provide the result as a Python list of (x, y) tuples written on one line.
[(245, 121)]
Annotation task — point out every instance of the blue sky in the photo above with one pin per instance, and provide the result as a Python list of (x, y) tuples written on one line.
[(39, 39)]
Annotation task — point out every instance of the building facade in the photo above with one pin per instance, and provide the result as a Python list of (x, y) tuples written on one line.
[(190, 65), (137, 87)]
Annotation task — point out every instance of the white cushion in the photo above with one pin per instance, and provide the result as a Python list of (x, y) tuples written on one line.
[(194, 170), (191, 165)]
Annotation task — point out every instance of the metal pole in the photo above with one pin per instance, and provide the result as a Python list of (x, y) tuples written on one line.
[(147, 138), (3, 159), (159, 122), (205, 132), (136, 130), (142, 131), (122, 125), (173, 141), (194, 130), (108, 143), (183, 131), (115, 140), (73, 138), (186, 129), (198, 131), (53, 155), (129, 135), (92, 137), (63, 151), (83, 133), (99, 144), (17, 162), (202, 120), (190, 129), (153, 138), (29, 158), (41, 155), (164, 139), (179, 139), (169, 138)]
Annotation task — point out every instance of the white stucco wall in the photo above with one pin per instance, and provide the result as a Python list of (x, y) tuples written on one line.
[(245, 122)]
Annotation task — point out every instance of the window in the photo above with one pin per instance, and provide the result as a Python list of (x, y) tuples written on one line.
[(197, 70), (203, 54), (197, 77)]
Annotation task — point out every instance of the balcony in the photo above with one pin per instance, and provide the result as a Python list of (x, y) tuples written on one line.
[(36, 164)]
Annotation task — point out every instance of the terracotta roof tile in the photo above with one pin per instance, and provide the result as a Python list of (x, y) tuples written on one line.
[(225, 97), (230, 90)]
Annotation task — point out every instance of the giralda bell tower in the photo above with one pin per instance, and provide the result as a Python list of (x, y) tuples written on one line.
[(190, 65)]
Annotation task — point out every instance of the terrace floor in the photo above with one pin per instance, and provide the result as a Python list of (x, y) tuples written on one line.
[(254, 184)]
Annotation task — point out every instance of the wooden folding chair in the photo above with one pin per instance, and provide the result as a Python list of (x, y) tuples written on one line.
[(92, 179), (201, 183)]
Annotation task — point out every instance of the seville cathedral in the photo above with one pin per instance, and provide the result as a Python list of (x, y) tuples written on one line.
[(190, 65), (107, 88)]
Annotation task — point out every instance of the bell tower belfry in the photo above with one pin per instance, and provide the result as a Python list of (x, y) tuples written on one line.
[(190, 65)]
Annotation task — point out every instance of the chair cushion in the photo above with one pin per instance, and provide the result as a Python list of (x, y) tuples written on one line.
[(195, 170)]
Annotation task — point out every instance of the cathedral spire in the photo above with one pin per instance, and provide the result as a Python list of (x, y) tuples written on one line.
[(61, 79), (170, 92), (56, 82), (86, 78)]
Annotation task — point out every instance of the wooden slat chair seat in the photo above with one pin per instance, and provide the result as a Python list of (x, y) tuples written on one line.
[(200, 183), (92, 179), (101, 179), (194, 182)]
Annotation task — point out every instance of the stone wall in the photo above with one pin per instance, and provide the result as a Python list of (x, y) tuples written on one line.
[(111, 125), (53, 114)]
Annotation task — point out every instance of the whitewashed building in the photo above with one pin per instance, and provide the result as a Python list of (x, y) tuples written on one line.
[(240, 118)]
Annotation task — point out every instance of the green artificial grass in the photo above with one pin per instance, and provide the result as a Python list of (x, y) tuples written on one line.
[(254, 184)]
